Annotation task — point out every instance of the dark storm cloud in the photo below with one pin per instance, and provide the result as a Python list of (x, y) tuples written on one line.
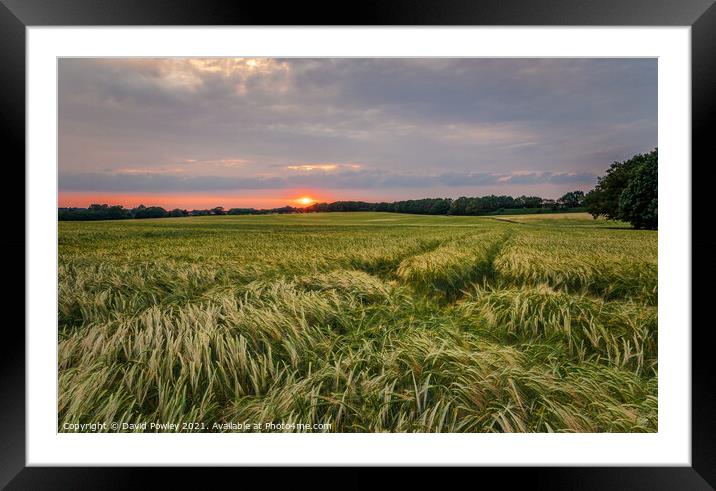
[(408, 122)]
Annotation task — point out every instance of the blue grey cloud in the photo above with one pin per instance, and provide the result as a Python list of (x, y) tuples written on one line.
[(552, 124), (138, 182)]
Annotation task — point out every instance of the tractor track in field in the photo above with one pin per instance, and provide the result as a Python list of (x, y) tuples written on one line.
[(494, 251), (508, 221), (448, 287)]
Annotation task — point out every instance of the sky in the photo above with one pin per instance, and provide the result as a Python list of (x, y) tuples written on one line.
[(265, 132)]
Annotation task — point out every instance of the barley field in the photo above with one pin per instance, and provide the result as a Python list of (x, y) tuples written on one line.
[(359, 322)]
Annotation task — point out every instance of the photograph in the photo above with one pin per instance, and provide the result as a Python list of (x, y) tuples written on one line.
[(357, 245)]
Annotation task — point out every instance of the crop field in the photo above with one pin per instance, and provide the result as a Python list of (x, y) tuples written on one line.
[(359, 322)]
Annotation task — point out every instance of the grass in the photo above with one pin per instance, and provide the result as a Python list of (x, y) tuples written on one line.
[(367, 322)]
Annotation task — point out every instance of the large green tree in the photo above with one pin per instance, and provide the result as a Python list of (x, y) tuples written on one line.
[(606, 198), (638, 203)]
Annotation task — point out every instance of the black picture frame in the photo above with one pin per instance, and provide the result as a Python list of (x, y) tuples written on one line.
[(16, 15)]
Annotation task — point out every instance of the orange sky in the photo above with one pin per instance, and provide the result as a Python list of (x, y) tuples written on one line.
[(192, 201)]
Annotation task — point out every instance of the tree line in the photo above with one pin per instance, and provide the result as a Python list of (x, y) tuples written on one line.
[(429, 206), (628, 192), (117, 212), (483, 205)]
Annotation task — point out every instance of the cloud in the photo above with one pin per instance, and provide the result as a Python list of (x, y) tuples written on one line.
[(312, 167), (229, 162), (406, 122), (362, 179), (322, 167), (141, 171), (572, 177), (469, 179)]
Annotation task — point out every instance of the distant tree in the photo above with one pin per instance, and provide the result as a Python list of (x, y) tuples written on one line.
[(117, 212), (156, 212), (219, 210), (177, 212), (241, 211), (384, 207), (457, 207), (440, 206), (572, 199), (533, 202), (149, 212), (549, 203), (638, 203), (473, 206), (94, 212), (284, 209)]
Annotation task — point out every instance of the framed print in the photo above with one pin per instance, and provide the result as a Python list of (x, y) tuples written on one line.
[(418, 237)]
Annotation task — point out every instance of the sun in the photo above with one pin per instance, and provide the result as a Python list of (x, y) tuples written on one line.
[(305, 200)]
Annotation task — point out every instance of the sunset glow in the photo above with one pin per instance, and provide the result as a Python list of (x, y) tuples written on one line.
[(305, 201), (170, 201)]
